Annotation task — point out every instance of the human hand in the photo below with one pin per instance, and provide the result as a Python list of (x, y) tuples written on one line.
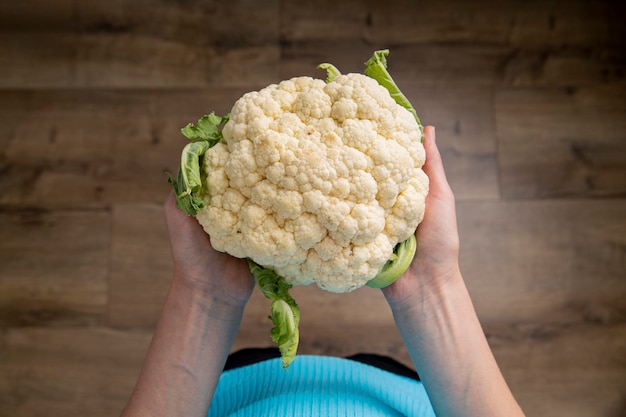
[(212, 273), (436, 260), (435, 315), (197, 326)]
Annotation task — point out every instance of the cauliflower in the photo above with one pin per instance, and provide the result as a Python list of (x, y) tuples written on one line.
[(316, 181), (312, 181)]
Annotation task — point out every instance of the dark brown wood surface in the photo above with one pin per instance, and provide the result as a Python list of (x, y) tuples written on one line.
[(529, 101)]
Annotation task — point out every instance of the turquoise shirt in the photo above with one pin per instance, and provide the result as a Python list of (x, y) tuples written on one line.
[(317, 386)]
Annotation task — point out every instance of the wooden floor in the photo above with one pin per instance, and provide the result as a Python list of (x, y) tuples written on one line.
[(529, 101)]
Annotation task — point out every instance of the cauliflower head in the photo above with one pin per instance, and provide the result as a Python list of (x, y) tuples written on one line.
[(317, 181), (312, 182)]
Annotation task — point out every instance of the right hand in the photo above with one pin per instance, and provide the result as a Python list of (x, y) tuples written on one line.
[(437, 258)]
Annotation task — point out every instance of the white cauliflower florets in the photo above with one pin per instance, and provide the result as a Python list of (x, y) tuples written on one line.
[(317, 181)]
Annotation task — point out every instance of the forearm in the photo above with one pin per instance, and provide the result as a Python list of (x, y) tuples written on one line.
[(186, 356), (450, 352)]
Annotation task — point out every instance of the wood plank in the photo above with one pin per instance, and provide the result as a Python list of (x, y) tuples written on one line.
[(36, 14), (519, 43), (132, 44), (89, 144), (545, 261), (141, 265), (577, 371), (564, 67), (562, 142), (547, 281), (53, 267), (465, 126), (68, 371), (439, 64), (517, 23), (565, 23), (73, 148)]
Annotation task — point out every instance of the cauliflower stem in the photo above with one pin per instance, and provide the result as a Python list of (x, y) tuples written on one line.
[(331, 71), (190, 187), (285, 312), (396, 265)]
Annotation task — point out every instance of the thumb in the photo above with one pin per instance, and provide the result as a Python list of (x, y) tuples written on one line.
[(434, 164)]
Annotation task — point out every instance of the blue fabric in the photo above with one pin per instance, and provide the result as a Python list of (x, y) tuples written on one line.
[(317, 386)]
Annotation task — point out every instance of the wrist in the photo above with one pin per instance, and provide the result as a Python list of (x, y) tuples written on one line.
[(203, 297), (189, 347), (424, 290)]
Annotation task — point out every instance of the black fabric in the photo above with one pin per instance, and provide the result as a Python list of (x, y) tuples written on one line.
[(250, 356)]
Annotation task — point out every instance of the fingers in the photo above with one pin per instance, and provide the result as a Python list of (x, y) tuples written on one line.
[(434, 164), (176, 219), (170, 202), (172, 213)]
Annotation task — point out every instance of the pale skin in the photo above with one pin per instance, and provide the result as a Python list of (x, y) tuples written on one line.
[(430, 305)]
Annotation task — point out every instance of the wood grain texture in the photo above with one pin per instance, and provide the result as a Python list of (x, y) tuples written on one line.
[(525, 261), (141, 266), (75, 148), (465, 126), (547, 280), (518, 23), (574, 370), (126, 43), (53, 267), (68, 371), (474, 64), (565, 67), (528, 98), (562, 142)]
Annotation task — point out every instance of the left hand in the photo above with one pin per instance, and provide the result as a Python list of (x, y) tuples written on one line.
[(212, 273)]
